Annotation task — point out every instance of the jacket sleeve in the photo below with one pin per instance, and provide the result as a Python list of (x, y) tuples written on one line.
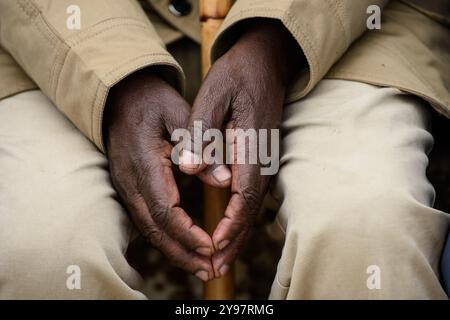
[(324, 30), (75, 67)]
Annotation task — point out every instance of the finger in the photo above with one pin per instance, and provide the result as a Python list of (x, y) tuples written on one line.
[(190, 261), (216, 175), (161, 192), (208, 112), (162, 198), (222, 260), (176, 115), (248, 187)]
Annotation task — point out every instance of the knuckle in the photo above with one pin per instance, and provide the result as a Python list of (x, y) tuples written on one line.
[(186, 234), (252, 198), (124, 187), (159, 212), (152, 234), (142, 178)]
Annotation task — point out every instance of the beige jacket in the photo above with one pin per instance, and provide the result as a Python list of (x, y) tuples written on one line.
[(76, 68)]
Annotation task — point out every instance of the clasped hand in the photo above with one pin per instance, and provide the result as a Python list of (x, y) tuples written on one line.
[(245, 89)]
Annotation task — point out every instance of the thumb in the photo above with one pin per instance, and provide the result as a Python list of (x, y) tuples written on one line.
[(207, 116)]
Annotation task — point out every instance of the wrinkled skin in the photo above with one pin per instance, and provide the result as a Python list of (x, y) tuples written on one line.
[(142, 113), (244, 89)]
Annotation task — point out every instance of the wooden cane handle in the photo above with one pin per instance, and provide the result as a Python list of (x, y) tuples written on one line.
[(214, 9)]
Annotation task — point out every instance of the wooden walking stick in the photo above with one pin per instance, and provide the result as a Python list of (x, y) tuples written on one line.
[(212, 13)]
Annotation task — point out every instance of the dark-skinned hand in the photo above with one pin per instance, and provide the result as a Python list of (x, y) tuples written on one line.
[(142, 112), (245, 88)]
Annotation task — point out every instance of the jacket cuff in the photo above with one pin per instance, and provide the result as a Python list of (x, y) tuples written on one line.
[(313, 24), (90, 70), (304, 81)]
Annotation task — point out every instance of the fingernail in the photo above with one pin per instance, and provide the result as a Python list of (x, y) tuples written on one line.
[(202, 275), (189, 160), (221, 174), (204, 251), (222, 244), (223, 270)]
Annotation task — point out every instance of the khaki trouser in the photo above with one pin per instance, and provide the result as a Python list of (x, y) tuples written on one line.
[(352, 192)]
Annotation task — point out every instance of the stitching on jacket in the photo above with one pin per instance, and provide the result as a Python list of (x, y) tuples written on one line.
[(243, 13), (419, 77), (166, 55), (44, 30), (106, 21), (51, 35), (33, 14), (63, 52), (93, 109), (93, 35), (63, 48), (298, 31), (97, 134), (82, 38), (336, 5), (313, 64), (28, 8)]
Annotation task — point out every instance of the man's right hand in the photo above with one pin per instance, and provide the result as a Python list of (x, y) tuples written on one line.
[(142, 112)]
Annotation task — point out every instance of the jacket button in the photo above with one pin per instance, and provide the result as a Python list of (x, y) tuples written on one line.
[(180, 8)]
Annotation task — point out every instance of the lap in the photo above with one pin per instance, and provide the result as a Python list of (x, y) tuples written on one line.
[(352, 192), (57, 206), (348, 137)]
